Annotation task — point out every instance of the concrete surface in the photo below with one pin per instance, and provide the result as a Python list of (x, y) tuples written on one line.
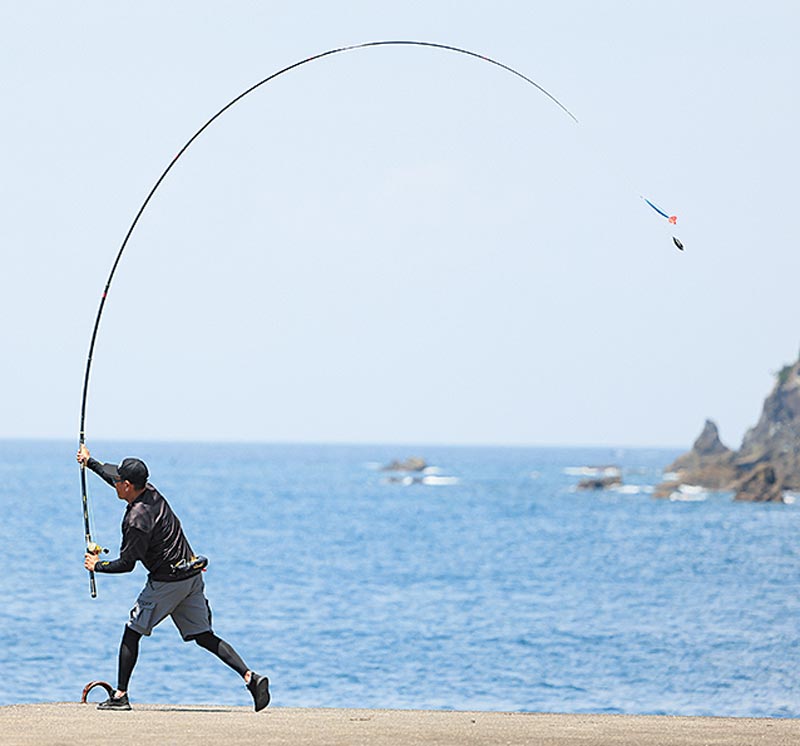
[(74, 724)]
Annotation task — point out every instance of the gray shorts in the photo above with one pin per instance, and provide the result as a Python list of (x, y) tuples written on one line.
[(183, 600)]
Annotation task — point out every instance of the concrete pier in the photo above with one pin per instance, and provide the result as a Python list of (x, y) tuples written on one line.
[(73, 724)]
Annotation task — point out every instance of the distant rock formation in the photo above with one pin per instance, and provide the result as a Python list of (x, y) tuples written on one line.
[(414, 463), (709, 464), (599, 483), (775, 439), (767, 464), (759, 484), (605, 477)]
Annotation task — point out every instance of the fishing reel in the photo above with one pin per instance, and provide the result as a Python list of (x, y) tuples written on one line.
[(93, 548)]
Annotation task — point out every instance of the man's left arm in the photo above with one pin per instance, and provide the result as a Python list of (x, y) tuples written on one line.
[(134, 546), (85, 459)]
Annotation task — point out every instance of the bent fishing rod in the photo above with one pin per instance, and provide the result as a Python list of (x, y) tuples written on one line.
[(231, 103)]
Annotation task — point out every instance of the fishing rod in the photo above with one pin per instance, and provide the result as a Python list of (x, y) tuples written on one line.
[(86, 527), (232, 102)]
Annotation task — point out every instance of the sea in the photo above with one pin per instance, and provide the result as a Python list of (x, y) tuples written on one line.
[(487, 582)]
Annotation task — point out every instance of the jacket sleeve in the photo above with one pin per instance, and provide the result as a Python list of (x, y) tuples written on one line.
[(134, 547), (95, 466)]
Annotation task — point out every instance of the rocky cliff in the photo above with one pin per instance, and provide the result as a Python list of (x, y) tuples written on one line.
[(775, 440), (768, 463), (709, 464)]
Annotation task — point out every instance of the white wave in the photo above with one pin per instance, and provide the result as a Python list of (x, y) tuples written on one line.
[(689, 493), (790, 498), (593, 471), (634, 489), (677, 497), (431, 481), (405, 481), (440, 481)]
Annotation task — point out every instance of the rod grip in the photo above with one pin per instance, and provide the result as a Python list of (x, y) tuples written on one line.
[(86, 527)]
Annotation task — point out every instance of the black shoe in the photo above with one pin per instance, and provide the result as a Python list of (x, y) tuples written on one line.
[(259, 688), (115, 703)]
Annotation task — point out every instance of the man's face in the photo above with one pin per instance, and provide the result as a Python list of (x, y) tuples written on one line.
[(124, 489)]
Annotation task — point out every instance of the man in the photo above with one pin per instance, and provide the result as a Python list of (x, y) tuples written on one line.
[(152, 534)]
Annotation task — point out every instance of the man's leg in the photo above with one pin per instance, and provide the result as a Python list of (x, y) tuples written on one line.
[(128, 655), (257, 685), (192, 617), (222, 650), (150, 608)]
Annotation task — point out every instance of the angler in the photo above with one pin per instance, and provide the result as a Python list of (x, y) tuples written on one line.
[(152, 534)]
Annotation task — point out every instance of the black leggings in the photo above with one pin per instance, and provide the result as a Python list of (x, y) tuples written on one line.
[(221, 649), (129, 653)]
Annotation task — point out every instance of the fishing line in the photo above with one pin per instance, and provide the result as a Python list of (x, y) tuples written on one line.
[(232, 102)]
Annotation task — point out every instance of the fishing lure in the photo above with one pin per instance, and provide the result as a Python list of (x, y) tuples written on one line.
[(672, 219)]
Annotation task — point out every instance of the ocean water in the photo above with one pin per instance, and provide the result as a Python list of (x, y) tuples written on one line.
[(496, 586)]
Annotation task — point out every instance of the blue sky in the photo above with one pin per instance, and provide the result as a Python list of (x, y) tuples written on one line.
[(398, 245)]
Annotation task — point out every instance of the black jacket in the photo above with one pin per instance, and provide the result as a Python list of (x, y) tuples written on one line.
[(151, 534)]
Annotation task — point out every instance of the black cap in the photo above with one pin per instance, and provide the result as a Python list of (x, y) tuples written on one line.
[(131, 470)]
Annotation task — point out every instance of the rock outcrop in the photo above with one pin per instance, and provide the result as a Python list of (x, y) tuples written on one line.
[(768, 462), (775, 440), (413, 463), (760, 484), (599, 483), (710, 463)]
